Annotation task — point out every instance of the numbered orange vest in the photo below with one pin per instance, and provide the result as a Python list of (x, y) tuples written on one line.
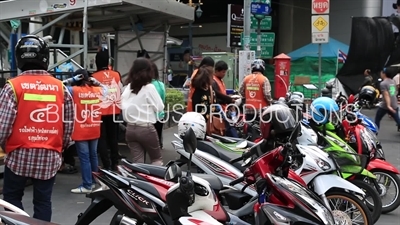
[(254, 91), (111, 102), (189, 107), (87, 113), (39, 121), (222, 88)]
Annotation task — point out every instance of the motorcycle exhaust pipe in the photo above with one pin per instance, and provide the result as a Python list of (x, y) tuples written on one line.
[(123, 220)]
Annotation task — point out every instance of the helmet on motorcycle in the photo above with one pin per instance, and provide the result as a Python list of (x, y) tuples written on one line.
[(258, 65), (367, 93), (195, 121), (279, 119), (323, 110), (32, 52)]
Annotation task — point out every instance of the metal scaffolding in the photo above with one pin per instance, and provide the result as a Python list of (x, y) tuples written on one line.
[(98, 16)]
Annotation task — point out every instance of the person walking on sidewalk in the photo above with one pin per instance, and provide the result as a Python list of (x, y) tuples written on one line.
[(160, 87), (110, 112), (140, 105), (389, 103), (33, 142)]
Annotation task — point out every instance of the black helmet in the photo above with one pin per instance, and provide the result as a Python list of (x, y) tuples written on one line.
[(32, 52), (367, 93)]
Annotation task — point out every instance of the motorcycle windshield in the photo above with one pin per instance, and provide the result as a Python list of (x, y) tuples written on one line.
[(307, 203)]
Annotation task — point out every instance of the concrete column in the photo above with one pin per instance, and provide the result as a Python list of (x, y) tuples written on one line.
[(35, 26), (285, 36), (75, 39)]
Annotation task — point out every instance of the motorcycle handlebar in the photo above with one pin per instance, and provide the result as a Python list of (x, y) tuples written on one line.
[(234, 182), (250, 152)]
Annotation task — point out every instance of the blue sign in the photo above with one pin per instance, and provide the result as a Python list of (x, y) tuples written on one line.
[(262, 9)]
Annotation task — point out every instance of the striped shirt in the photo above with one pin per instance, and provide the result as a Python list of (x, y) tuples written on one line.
[(41, 164)]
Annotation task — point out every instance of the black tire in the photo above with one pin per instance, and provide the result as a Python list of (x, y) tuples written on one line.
[(375, 206), (364, 211), (396, 202)]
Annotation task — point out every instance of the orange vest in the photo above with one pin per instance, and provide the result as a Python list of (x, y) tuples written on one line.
[(87, 113), (110, 103), (222, 88), (189, 107), (254, 91), (39, 121)]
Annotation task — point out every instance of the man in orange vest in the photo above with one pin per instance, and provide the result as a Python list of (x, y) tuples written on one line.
[(222, 98), (256, 89), (36, 124), (207, 61), (110, 111)]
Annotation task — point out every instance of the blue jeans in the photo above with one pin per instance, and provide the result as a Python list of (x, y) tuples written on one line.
[(381, 112), (13, 190), (87, 153)]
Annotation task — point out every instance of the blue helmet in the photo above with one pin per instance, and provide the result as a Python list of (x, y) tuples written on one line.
[(322, 110)]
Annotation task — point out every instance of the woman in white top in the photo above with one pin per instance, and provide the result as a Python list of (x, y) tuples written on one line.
[(140, 105)]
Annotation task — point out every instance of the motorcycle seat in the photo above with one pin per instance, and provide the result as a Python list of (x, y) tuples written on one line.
[(219, 152), (159, 171), (13, 218), (146, 186), (223, 139)]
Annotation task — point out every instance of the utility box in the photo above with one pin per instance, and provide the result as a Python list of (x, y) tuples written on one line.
[(230, 79)]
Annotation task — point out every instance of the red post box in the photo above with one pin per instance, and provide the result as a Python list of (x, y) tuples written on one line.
[(282, 75)]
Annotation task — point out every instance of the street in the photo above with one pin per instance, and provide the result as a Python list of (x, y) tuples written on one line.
[(67, 206)]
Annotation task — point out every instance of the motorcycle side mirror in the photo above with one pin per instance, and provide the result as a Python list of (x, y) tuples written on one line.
[(190, 141), (173, 172), (295, 133)]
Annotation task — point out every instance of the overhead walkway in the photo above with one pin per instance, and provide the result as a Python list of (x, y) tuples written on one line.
[(96, 17)]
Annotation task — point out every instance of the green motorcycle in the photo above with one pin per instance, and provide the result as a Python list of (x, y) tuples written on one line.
[(352, 166)]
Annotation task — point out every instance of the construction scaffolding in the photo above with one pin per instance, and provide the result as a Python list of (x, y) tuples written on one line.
[(99, 17)]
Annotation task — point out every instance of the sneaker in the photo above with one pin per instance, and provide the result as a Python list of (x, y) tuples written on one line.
[(81, 190), (93, 186)]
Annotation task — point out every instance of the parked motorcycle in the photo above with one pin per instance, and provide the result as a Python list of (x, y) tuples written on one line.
[(146, 198), (363, 141), (219, 167)]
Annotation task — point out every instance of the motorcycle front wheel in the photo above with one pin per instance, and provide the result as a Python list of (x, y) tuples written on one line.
[(372, 198), (388, 183), (350, 204)]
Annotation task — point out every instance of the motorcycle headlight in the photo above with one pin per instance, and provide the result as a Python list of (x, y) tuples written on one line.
[(319, 209), (324, 165)]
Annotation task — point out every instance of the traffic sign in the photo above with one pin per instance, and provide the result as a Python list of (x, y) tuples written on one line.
[(320, 6), (320, 29), (266, 23), (263, 1), (260, 9), (267, 44)]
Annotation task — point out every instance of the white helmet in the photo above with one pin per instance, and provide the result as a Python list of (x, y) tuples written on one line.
[(195, 121)]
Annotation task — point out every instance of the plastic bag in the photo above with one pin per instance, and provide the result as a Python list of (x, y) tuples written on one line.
[(65, 67)]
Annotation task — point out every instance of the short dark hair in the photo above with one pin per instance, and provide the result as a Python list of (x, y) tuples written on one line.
[(187, 51), (221, 66), (101, 59), (207, 61), (154, 67), (85, 80), (203, 77), (140, 74), (390, 72)]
